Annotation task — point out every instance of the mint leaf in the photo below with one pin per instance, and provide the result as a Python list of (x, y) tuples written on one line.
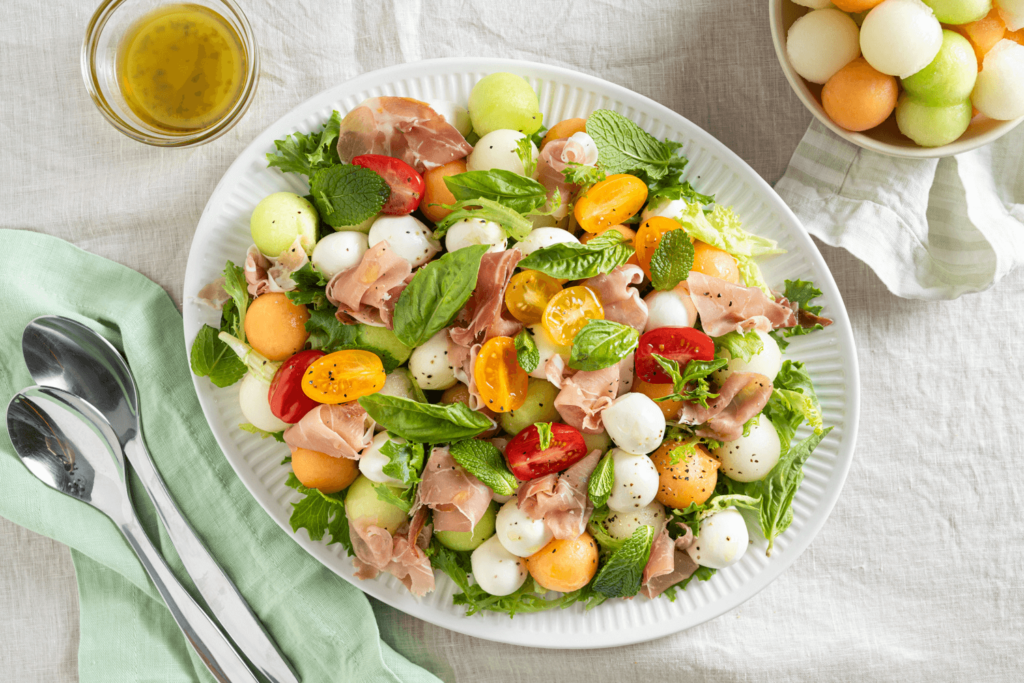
[(621, 574), (436, 294), (527, 354), (328, 334), (405, 461), (319, 513), (307, 153), (310, 288), (601, 344), (544, 432), (511, 190), (600, 485), (570, 261), (424, 422), (262, 433), (238, 289), (623, 146), (347, 194), (484, 461), (672, 260), (514, 223), (210, 357), (743, 345), (524, 150)]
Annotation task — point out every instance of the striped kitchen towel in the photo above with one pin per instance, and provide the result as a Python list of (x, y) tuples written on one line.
[(930, 228)]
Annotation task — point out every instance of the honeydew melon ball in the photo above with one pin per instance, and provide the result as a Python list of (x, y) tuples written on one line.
[(281, 217), (822, 42), (999, 92), (932, 126), (470, 540), (959, 11), (504, 100), (814, 4), (362, 501), (950, 77), (539, 406), (900, 37)]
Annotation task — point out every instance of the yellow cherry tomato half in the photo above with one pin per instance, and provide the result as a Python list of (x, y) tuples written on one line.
[(648, 237), (568, 312), (343, 376), (610, 202), (528, 293), (502, 384)]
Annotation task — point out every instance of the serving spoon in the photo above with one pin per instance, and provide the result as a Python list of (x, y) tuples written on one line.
[(64, 353), (67, 444)]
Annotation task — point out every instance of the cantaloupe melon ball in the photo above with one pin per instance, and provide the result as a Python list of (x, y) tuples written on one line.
[(814, 4), (822, 42), (858, 97), (856, 5), (900, 37), (999, 91), (984, 33)]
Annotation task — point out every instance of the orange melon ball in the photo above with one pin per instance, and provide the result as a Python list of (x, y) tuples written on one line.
[(564, 129), (715, 262), (628, 234), (318, 470), (858, 97), (435, 192), (670, 409), (984, 33), (564, 565), (276, 327), (1016, 36), (689, 480), (855, 5)]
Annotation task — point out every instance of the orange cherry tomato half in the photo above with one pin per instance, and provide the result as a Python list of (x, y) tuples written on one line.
[(568, 312), (528, 293), (648, 237), (610, 202), (343, 376), (499, 379)]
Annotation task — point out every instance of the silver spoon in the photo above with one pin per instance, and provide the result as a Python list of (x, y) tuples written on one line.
[(67, 445), (63, 353)]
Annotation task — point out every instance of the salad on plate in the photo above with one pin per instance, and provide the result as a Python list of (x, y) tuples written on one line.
[(537, 360)]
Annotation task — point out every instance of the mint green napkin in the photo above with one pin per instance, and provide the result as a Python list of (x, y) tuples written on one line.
[(322, 624)]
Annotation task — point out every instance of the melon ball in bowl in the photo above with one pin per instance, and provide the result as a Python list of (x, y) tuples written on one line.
[(859, 97), (999, 91), (822, 42), (900, 37)]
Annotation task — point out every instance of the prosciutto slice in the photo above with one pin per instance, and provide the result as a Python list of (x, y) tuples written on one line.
[(213, 294), (367, 292), (483, 311), (403, 128), (742, 397), (551, 162), (264, 274), (409, 564), (458, 499), (724, 307), (373, 547), (341, 431), (668, 565), (585, 395), (561, 499), (621, 301)]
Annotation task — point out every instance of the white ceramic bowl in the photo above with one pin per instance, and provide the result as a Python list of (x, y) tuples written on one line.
[(886, 138)]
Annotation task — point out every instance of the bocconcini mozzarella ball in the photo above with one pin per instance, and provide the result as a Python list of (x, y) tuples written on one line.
[(520, 534), (429, 363), (621, 525), (472, 231), (496, 570), (407, 236), (545, 237), (670, 308), (454, 114), (663, 206), (497, 149), (254, 398), (635, 483), (626, 377), (635, 423), (751, 457), (767, 361), (722, 540), (372, 461), (547, 348), (339, 251)]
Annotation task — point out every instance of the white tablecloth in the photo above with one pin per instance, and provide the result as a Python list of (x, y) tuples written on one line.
[(916, 576)]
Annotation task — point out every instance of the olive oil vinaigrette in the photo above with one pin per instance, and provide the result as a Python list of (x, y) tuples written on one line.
[(181, 68)]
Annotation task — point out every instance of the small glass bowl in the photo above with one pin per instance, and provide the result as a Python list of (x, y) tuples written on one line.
[(99, 70)]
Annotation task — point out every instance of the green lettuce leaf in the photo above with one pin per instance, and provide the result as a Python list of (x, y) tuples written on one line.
[(262, 433), (310, 288), (306, 154), (319, 513), (743, 345)]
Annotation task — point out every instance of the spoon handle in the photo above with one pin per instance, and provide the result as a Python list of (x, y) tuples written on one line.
[(216, 587), (212, 646)]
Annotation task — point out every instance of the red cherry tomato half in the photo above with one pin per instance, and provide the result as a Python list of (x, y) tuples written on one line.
[(681, 344), (287, 400), (405, 183), (527, 460)]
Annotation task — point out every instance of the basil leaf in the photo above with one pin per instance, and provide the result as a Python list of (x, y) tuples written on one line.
[(514, 223), (621, 574), (519, 193), (347, 194), (602, 343), (484, 461), (436, 294), (600, 485), (672, 260), (211, 357), (527, 354), (424, 422), (570, 261), (544, 433), (624, 146)]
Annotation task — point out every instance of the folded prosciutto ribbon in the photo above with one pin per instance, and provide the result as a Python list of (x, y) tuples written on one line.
[(668, 564), (458, 499), (367, 292), (341, 431), (561, 499)]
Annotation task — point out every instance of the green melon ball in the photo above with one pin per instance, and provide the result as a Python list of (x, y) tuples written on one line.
[(281, 217), (362, 501), (538, 407), (932, 126), (504, 100), (950, 77), (959, 11), (597, 442), (470, 540)]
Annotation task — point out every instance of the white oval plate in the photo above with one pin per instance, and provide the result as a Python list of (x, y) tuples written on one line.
[(223, 233)]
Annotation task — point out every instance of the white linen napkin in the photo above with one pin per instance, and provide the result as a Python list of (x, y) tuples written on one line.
[(930, 229)]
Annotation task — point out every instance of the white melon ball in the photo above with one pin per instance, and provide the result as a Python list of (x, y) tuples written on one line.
[(635, 423), (519, 533), (407, 236), (363, 227), (339, 251), (767, 361), (663, 206), (429, 363), (545, 237), (722, 540), (822, 42), (670, 308), (454, 114), (372, 461), (751, 457), (814, 4), (621, 525), (548, 348), (635, 483), (1012, 13), (497, 149), (254, 398), (472, 231), (900, 37), (496, 570), (999, 90)]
